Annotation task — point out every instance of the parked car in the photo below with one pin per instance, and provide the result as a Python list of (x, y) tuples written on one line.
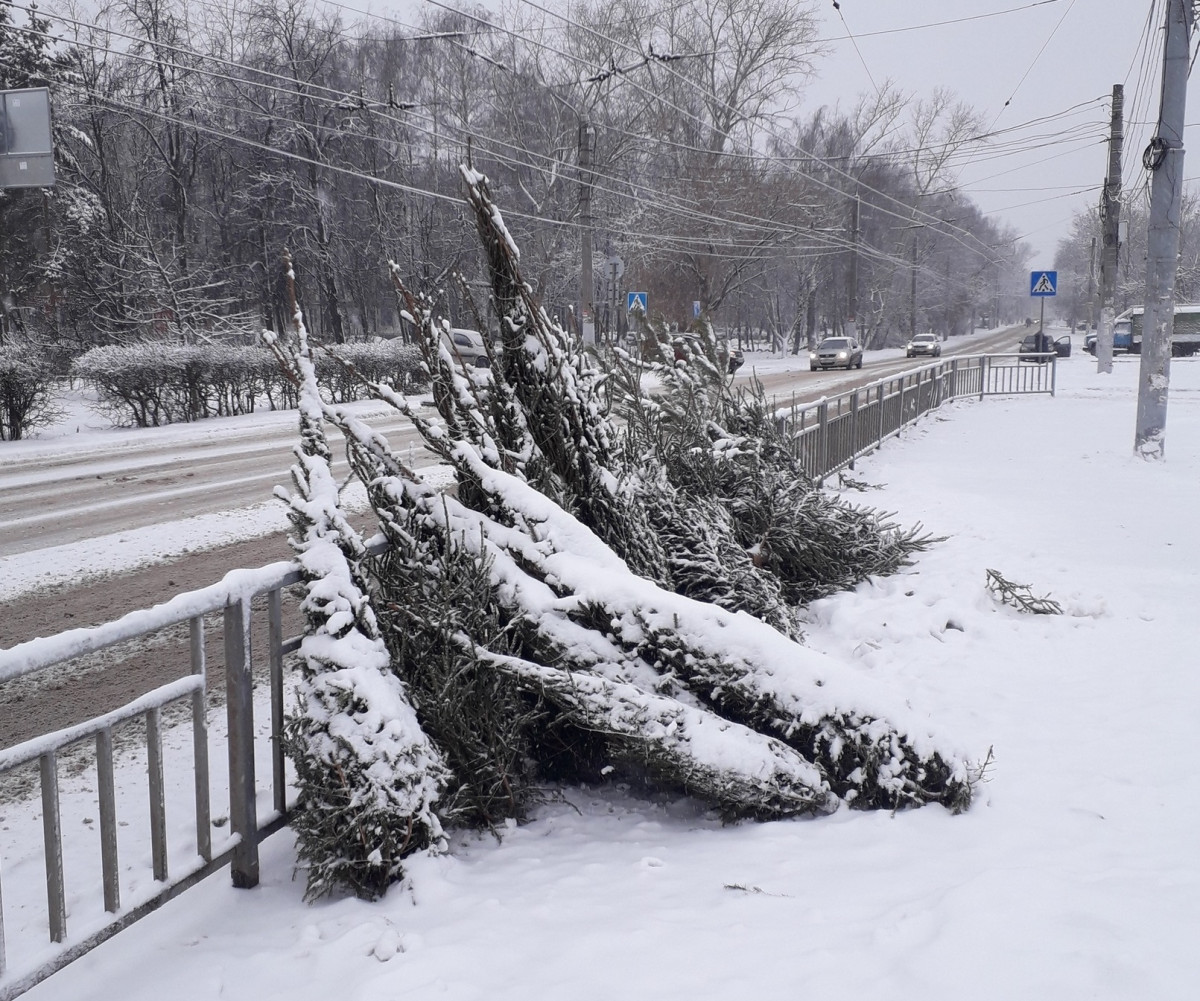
[(468, 346), (924, 344), (1089, 342), (836, 352), (1038, 347)]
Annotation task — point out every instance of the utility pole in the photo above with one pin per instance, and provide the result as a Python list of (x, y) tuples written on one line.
[(1164, 159), (912, 290), (584, 305), (852, 277), (1091, 292), (1110, 222)]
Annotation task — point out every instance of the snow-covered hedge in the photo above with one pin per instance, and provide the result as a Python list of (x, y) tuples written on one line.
[(156, 383), (26, 400), (391, 362)]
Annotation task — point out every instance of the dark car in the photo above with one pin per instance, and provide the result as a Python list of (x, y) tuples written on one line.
[(924, 344), (1039, 347), (836, 352)]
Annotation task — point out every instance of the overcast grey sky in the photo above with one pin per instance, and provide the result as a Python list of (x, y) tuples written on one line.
[(1043, 58)]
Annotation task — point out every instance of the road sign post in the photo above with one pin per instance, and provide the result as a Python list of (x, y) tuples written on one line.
[(1043, 285)]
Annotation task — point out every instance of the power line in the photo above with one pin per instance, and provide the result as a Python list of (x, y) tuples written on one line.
[(940, 24), (1029, 70), (331, 92)]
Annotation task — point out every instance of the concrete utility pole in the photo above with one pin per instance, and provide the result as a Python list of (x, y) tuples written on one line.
[(585, 306), (1110, 222), (852, 277), (912, 289), (1091, 292), (1164, 159)]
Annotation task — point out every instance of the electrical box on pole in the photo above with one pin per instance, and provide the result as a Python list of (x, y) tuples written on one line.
[(26, 150)]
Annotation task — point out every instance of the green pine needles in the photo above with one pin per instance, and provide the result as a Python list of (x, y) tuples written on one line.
[(610, 589)]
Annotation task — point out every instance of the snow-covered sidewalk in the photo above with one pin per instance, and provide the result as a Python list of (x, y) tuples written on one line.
[(1074, 876)]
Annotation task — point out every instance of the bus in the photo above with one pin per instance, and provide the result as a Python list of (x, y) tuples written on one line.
[(1185, 335)]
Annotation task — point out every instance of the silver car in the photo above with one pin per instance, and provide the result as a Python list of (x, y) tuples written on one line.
[(467, 346), (923, 344), (836, 352)]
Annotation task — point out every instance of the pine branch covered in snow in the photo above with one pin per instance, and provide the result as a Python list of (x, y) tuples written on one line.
[(744, 774), (558, 388), (368, 775), (718, 444), (562, 600), (539, 641)]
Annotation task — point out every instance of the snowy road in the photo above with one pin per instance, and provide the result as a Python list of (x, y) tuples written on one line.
[(63, 492), (148, 477)]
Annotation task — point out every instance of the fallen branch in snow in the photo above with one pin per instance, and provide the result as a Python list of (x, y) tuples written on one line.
[(1020, 596)]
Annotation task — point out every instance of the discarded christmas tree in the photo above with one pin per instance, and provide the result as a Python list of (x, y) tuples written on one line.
[(577, 605), (368, 777)]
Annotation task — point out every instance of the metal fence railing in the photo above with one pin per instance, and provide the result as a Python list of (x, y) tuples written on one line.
[(235, 602), (828, 435)]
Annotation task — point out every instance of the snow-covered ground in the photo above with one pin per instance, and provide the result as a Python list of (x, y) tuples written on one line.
[(1074, 876)]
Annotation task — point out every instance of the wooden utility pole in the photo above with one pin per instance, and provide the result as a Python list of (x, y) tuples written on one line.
[(585, 308), (1110, 222), (1164, 159)]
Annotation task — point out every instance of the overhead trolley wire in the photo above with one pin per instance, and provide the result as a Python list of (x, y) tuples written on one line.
[(332, 92)]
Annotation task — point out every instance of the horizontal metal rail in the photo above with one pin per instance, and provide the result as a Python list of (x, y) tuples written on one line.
[(829, 434)]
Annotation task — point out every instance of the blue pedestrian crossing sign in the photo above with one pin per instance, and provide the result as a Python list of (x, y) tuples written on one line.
[(1043, 283), (635, 300)]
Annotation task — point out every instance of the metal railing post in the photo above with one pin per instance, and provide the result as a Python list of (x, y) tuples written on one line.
[(853, 427), (275, 640), (1053, 373), (158, 799), (200, 741), (243, 814), (953, 378), (56, 897), (106, 783), (822, 441), (983, 367)]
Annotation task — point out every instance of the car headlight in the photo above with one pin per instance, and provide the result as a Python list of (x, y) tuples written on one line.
[(841, 354), (812, 356)]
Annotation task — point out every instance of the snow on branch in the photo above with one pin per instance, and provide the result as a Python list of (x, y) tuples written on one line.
[(368, 775)]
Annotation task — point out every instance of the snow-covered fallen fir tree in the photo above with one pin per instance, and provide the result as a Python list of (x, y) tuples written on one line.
[(594, 599), (368, 775)]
